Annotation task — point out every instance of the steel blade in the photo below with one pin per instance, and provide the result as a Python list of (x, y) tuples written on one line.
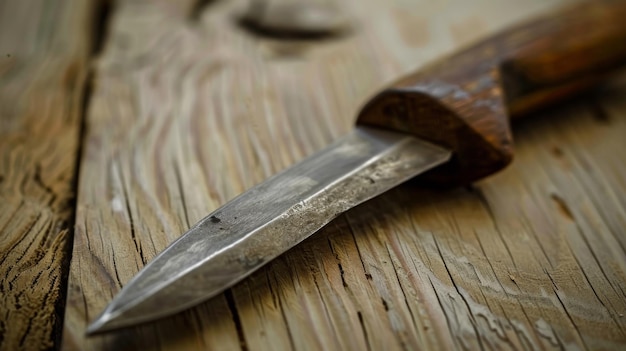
[(266, 221)]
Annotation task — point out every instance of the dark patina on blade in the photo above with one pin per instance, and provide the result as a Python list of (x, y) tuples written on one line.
[(267, 220)]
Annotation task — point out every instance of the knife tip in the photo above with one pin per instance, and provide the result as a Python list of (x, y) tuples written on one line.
[(99, 326), (96, 327)]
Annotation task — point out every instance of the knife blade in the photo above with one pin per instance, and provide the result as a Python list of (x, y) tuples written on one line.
[(265, 221), (450, 121)]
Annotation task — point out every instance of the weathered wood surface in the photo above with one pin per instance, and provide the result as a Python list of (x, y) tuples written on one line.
[(44, 51), (189, 110)]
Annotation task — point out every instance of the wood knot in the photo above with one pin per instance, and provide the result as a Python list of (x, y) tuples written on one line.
[(298, 19)]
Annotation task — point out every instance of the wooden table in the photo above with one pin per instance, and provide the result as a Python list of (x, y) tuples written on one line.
[(121, 124)]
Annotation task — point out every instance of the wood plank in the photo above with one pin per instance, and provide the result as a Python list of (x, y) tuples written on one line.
[(44, 51), (189, 110)]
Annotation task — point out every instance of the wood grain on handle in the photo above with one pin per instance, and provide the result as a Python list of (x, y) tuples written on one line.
[(464, 101)]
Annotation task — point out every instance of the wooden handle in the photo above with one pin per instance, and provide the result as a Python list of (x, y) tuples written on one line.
[(463, 102)]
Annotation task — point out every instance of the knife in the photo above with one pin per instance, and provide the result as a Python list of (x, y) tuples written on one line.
[(449, 121)]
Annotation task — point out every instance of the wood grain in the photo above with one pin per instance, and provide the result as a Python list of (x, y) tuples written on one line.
[(189, 110), (44, 48), (465, 101)]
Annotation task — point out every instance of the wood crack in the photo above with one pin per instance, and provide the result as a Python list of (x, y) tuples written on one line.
[(356, 245), (133, 235), (406, 301), (591, 286), (179, 184), (481, 197), (556, 293), (469, 309), (228, 294), (363, 330)]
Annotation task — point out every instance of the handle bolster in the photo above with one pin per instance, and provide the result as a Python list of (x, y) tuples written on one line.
[(431, 112)]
